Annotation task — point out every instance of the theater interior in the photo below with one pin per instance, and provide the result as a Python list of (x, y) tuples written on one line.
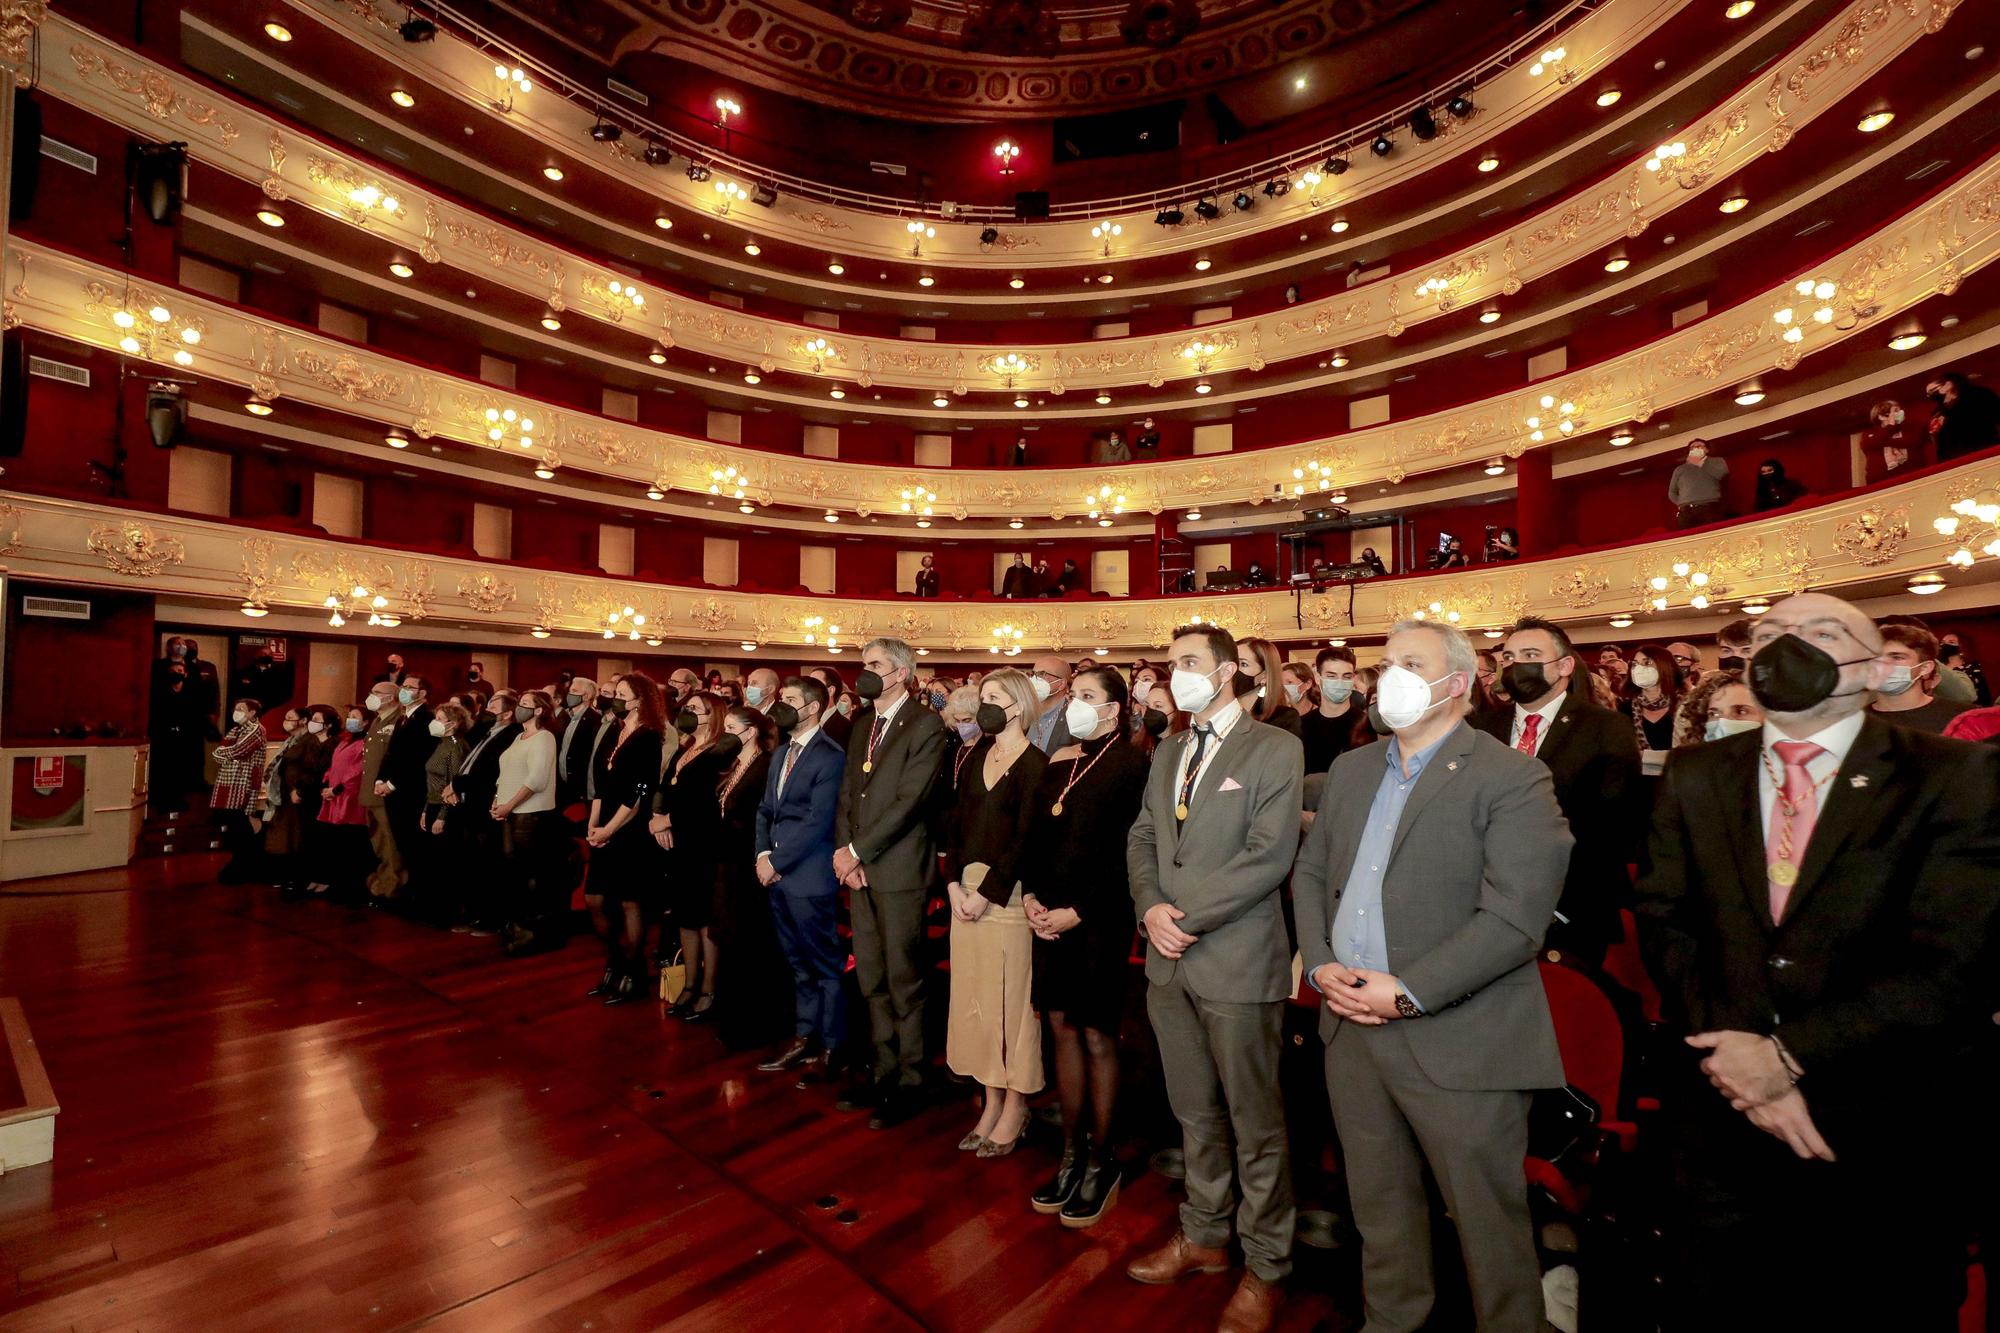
[(582, 338)]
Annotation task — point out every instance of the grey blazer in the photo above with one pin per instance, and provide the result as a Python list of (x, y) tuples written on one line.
[(1226, 866), (1474, 874)]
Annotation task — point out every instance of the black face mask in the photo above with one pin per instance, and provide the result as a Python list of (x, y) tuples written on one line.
[(1156, 722), (728, 745), (1526, 681), (992, 719), (784, 717), (1789, 675), (607, 704), (869, 686), (1730, 662), (615, 706), (1375, 720), (686, 722)]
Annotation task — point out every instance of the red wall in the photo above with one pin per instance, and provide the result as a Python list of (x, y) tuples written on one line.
[(45, 692)]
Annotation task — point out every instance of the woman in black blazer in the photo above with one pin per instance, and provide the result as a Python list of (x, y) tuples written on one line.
[(623, 889), (1079, 905)]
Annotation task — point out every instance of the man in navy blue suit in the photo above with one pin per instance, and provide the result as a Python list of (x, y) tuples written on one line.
[(795, 863)]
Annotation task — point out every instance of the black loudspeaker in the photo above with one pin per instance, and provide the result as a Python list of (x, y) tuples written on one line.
[(165, 413), (25, 156), (1032, 205), (13, 396)]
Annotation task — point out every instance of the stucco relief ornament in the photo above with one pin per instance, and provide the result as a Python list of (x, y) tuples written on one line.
[(486, 593), (135, 549), (709, 615), (1872, 537), (1581, 587), (273, 185), (258, 580), (10, 530), (417, 591)]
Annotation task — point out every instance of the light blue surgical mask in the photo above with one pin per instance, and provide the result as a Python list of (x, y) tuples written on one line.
[(357, 725), (406, 696), (1336, 691), (753, 695), (1719, 727)]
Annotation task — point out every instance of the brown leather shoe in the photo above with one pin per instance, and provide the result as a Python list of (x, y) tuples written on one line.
[(1175, 1260), (1254, 1307)]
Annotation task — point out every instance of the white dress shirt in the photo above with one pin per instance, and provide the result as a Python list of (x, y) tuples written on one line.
[(1836, 740), (802, 742), (1547, 711), (1224, 722)]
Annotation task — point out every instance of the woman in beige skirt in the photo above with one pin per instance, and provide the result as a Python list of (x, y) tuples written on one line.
[(994, 1035)]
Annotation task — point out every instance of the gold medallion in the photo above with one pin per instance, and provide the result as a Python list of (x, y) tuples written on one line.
[(868, 766), (1056, 809), (1180, 812), (1784, 874)]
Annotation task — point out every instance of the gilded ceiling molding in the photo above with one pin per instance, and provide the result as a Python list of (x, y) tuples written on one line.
[(19, 22), (1914, 256), (1826, 67), (873, 229), (1885, 534)]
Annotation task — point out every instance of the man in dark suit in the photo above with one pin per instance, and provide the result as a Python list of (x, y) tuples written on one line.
[(575, 741), (1819, 910), (886, 858), (1594, 758), (402, 778), (1422, 896), (1208, 856), (1018, 580), (795, 864)]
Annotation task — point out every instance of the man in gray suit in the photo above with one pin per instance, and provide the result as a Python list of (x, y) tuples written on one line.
[(885, 856), (1422, 895), (1208, 857)]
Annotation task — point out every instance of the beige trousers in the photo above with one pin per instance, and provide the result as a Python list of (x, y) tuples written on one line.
[(994, 1034)]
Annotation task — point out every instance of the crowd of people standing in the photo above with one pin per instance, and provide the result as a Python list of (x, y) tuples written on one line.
[(1414, 833)]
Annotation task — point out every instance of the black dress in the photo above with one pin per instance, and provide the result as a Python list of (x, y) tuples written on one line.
[(689, 797), (1284, 717), (754, 993), (627, 867), (1077, 859), (987, 823)]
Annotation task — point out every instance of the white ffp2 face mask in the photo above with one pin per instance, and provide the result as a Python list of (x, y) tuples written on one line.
[(1041, 688), (1082, 720), (1192, 690), (1403, 697), (1645, 677)]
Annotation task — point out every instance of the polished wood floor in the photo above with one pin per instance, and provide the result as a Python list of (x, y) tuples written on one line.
[(301, 1115)]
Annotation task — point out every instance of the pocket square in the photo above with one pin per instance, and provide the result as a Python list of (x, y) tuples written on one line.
[(1230, 784)]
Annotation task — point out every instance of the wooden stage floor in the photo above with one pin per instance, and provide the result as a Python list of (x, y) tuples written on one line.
[(302, 1115)]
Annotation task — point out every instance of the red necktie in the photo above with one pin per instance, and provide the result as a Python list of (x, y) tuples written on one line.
[(1792, 817), (1529, 729), (791, 757)]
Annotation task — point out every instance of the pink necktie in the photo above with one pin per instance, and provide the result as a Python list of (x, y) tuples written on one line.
[(1790, 832), (1528, 730)]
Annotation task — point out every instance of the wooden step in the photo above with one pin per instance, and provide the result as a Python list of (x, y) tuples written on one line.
[(27, 1102)]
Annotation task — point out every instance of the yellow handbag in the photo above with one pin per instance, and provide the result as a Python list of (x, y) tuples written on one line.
[(673, 979)]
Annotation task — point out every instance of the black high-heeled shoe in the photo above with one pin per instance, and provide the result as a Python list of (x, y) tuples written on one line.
[(624, 992), (699, 1011), (605, 984), (1061, 1187), (1095, 1193)]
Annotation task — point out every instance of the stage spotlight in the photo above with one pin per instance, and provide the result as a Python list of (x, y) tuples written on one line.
[(1383, 144), (1460, 106), (605, 132), (1423, 124), (1243, 202), (1170, 216), (1335, 166), (657, 155), (166, 410), (697, 172), (1277, 186), (763, 194), (1207, 210), (988, 236)]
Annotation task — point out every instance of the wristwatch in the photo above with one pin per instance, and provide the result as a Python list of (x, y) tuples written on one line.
[(1406, 1006)]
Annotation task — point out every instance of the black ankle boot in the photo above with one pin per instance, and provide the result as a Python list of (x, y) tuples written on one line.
[(1095, 1193), (1061, 1187), (624, 990), (605, 984)]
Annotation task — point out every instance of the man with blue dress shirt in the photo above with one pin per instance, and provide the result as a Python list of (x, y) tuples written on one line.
[(1422, 894)]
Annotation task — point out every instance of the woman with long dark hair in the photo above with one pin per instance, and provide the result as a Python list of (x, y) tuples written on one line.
[(1078, 904), (341, 849), (684, 825), (756, 994), (624, 879), (1652, 691), (291, 794), (1260, 668)]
